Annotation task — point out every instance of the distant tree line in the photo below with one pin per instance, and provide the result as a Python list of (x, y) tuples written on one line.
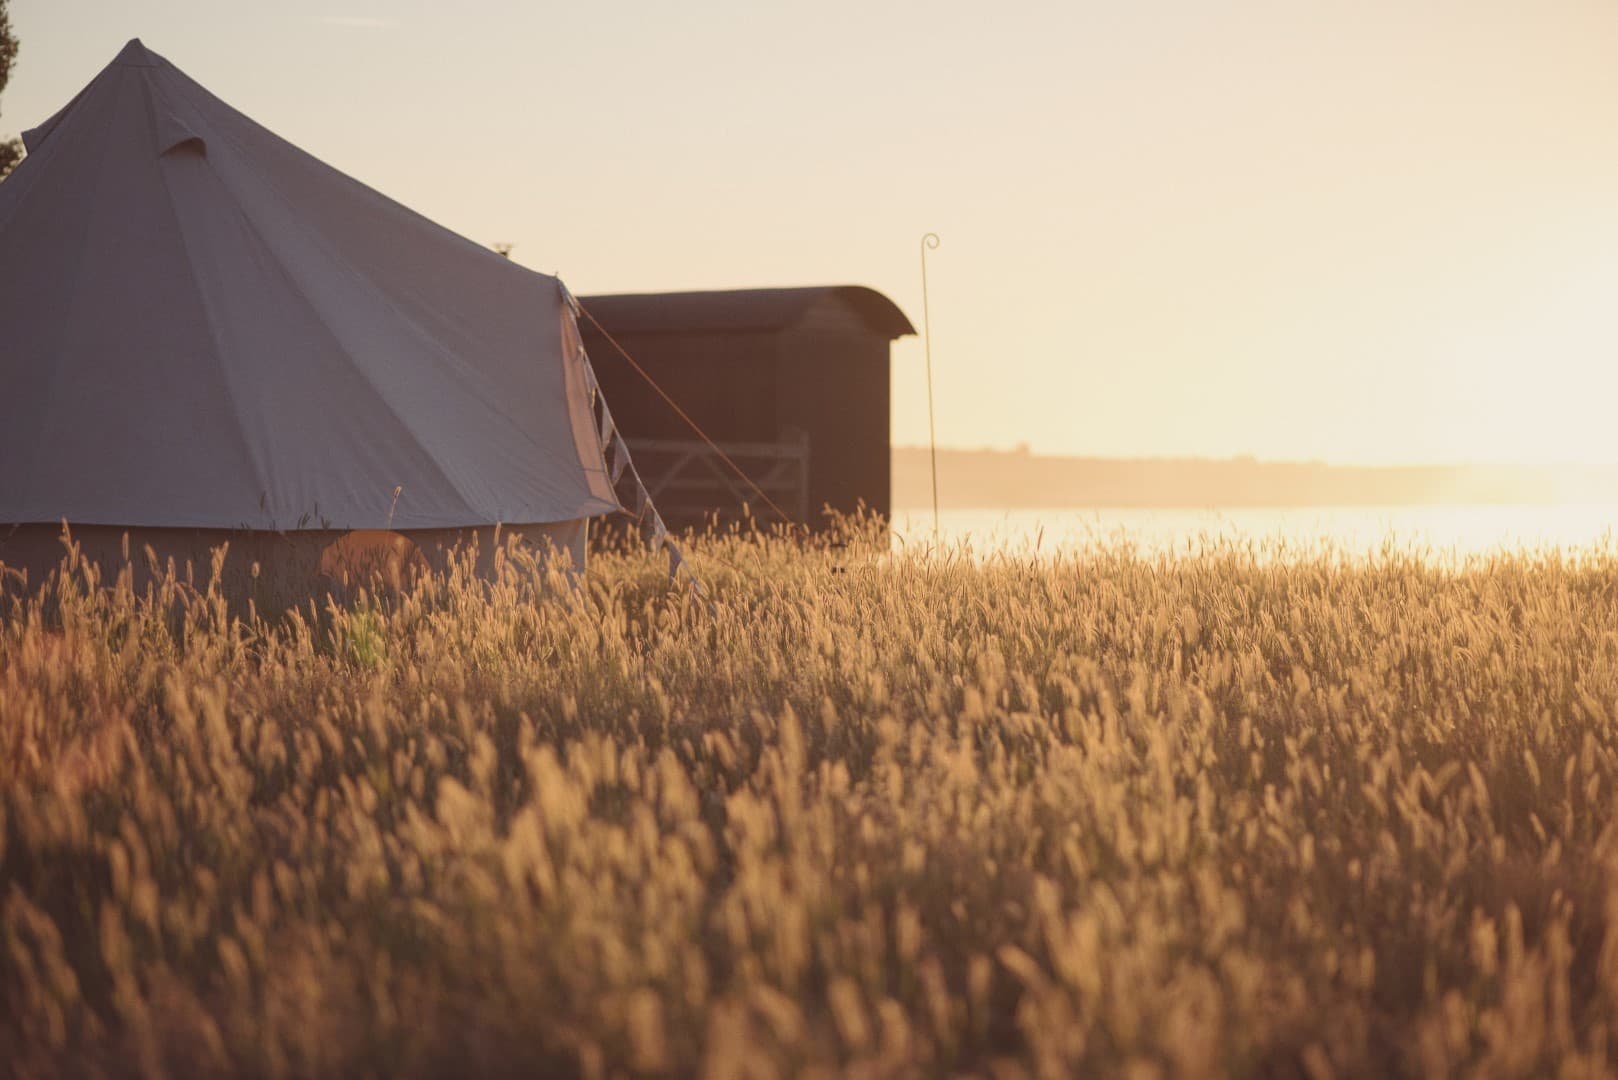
[(10, 149)]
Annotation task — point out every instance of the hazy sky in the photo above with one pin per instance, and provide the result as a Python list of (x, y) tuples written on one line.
[(1370, 231)]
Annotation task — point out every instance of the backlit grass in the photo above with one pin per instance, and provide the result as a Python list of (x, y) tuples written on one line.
[(886, 815)]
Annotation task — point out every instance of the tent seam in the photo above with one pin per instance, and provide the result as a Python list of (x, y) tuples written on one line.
[(55, 372), (238, 415), (542, 453), (297, 290)]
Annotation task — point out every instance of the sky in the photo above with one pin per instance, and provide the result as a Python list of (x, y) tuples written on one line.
[(1371, 232)]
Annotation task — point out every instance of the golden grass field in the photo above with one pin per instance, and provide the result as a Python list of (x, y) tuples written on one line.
[(1100, 814)]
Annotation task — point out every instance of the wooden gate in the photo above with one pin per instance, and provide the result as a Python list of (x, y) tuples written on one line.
[(691, 485)]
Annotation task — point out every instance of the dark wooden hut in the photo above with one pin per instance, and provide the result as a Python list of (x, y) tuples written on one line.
[(792, 383)]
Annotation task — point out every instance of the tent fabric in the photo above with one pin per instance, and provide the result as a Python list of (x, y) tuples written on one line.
[(202, 326)]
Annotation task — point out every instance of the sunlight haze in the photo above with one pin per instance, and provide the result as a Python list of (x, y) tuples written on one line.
[(1361, 233)]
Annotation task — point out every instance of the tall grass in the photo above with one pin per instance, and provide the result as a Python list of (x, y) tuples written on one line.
[(1211, 814)]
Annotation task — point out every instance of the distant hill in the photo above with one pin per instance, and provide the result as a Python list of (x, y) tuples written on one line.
[(1018, 478)]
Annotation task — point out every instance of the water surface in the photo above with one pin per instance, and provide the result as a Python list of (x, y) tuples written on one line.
[(1441, 532)]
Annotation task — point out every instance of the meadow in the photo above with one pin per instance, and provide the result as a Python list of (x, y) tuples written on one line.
[(858, 812)]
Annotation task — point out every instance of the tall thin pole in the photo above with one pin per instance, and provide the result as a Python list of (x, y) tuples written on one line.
[(929, 241)]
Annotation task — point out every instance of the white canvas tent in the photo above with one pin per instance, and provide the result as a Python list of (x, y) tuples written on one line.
[(208, 334)]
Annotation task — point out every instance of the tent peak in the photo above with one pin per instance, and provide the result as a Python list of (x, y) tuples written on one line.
[(136, 54), (237, 334)]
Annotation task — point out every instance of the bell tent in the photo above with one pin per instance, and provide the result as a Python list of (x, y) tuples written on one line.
[(208, 335)]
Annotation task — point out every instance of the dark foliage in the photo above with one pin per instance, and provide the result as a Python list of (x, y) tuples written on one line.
[(8, 44), (10, 153), (11, 150)]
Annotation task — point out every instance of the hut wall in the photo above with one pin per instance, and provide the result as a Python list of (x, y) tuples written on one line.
[(725, 382), (834, 385)]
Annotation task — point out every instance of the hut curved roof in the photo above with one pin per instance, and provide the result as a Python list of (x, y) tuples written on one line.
[(741, 310)]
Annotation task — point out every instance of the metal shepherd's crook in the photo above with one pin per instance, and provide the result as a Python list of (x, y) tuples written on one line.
[(930, 240)]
